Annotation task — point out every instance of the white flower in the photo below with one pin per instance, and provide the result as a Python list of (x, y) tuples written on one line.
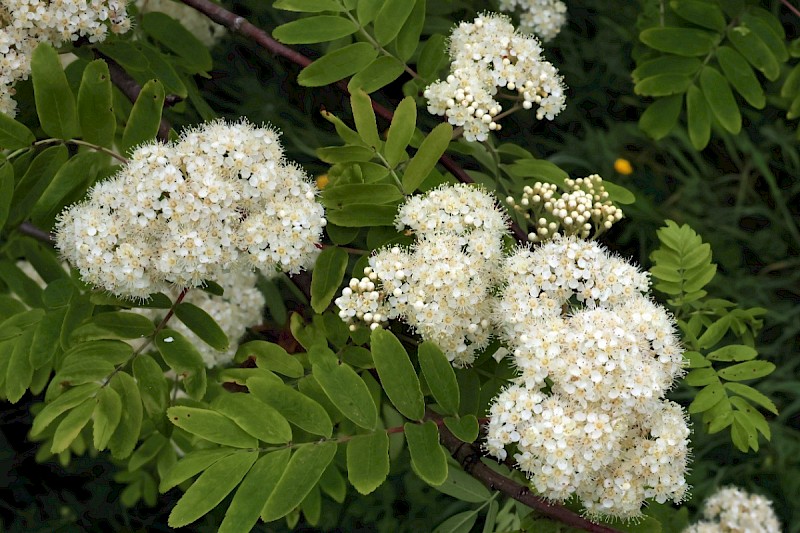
[(732, 510), (543, 18), (26, 23), (488, 54), (222, 198)]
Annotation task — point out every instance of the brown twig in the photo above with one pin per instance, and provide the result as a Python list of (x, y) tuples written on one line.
[(469, 457), (26, 228), (240, 25), (790, 7)]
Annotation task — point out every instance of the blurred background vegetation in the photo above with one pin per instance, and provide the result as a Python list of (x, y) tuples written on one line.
[(740, 194)]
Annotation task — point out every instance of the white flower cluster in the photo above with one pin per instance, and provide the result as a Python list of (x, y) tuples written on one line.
[(240, 306), (584, 207), (222, 198), (26, 23), (733, 510), (441, 285), (207, 31), (543, 18), (577, 320), (488, 54)]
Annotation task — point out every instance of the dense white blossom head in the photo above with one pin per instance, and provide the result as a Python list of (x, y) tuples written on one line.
[(206, 30), (489, 54), (220, 199), (595, 357), (26, 23), (543, 18), (733, 510)]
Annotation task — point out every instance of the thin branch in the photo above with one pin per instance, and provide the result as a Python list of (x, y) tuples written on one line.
[(241, 26), (790, 7), (26, 228), (469, 457)]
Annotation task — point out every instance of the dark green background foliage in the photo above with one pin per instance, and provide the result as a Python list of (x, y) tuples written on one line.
[(739, 193)]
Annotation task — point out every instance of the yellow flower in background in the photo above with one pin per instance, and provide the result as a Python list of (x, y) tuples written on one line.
[(322, 181), (623, 166)]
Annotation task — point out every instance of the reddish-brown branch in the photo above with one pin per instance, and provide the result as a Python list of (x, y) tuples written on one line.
[(240, 25), (790, 7)]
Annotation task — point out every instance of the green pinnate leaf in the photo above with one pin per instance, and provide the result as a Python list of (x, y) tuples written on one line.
[(114, 325), (720, 99), (14, 134), (753, 395), (66, 401), (211, 426), (171, 34), (378, 74), (344, 388), (270, 356), (440, 376), (308, 6), (106, 416), (153, 386), (705, 14), (390, 19), (211, 488), (124, 439), (302, 473), (184, 359), (192, 464), (707, 398), (145, 117), (423, 162), (464, 487), (739, 73), (55, 102), (699, 117), (401, 130), (255, 417), (72, 424), (295, 406), (202, 325), (466, 428), (253, 493), (733, 352), (327, 276), (679, 41), (316, 29), (747, 370), (95, 108), (398, 377), (337, 65), (428, 459), (368, 461)]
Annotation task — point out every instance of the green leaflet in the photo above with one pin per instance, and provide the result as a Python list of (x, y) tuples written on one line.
[(302, 473), (255, 417), (95, 110), (699, 118), (106, 416), (145, 117), (316, 29), (55, 103), (327, 276), (401, 130), (253, 493), (175, 37), (378, 74), (390, 19), (440, 377), (192, 464), (202, 325), (428, 459), (398, 377), (679, 41), (464, 487), (337, 65), (423, 162), (115, 325), (211, 426), (124, 439), (368, 461), (211, 487), (295, 406), (13, 134), (72, 424), (184, 359), (272, 357), (720, 99), (152, 384), (344, 388), (741, 76)]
